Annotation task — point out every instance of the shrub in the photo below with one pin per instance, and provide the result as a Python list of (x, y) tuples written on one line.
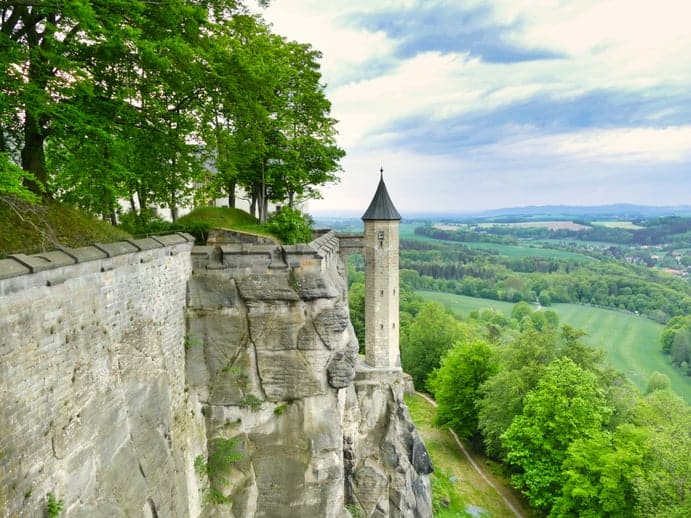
[(290, 226)]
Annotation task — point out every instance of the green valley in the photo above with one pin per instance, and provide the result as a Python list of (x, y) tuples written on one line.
[(632, 343)]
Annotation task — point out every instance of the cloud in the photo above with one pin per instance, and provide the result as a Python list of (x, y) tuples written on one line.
[(507, 101)]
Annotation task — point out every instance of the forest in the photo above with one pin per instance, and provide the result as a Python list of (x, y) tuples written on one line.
[(158, 103), (573, 434)]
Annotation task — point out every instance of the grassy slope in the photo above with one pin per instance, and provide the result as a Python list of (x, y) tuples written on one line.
[(34, 228), (632, 343), (454, 478), (223, 217)]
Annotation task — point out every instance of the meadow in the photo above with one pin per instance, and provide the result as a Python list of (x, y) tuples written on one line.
[(632, 342)]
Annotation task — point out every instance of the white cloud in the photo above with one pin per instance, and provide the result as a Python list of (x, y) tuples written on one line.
[(633, 145), (634, 47)]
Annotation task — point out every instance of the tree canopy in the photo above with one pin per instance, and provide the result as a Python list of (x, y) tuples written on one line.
[(155, 102)]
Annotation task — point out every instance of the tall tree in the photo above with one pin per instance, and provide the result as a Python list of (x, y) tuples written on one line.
[(566, 405), (456, 385)]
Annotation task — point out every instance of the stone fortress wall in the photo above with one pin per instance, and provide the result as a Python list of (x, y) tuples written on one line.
[(122, 364), (92, 389)]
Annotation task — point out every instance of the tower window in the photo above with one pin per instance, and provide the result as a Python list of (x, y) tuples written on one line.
[(381, 326), (381, 293)]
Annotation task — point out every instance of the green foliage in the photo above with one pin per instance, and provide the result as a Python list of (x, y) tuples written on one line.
[(252, 402), (193, 341), (54, 506), (597, 475), (566, 405), (445, 498), (431, 333), (290, 226), (456, 385), (135, 100), (625, 338), (658, 381), (356, 303), (280, 409), (198, 222), (355, 510), (223, 453), (501, 275), (12, 180)]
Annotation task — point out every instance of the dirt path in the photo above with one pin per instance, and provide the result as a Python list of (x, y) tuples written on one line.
[(500, 490)]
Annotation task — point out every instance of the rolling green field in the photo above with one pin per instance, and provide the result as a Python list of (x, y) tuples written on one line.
[(632, 343), (407, 231)]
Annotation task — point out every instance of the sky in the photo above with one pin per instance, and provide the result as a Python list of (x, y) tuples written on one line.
[(480, 104)]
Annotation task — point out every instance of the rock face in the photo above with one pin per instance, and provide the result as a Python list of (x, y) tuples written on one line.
[(149, 378), (387, 463), (273, 371)]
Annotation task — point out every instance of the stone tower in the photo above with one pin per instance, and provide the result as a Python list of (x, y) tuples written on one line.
[(381, 281)]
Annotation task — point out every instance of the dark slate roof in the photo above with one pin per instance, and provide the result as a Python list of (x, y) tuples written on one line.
[(381, 208)]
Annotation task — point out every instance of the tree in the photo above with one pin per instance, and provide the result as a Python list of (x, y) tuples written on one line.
[(681, 347), (597, 474), (658, 381), (131, 99), (662, 484), (566, 405), (456, 385), (521, 365), (432, 332)]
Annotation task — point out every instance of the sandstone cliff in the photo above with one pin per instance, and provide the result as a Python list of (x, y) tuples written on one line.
[(275, 367), (149, 378)]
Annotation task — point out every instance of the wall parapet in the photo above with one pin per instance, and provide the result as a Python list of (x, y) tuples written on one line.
[(54, 267), (319, 255)]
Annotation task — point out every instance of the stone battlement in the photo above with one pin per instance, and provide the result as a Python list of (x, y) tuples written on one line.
[(319, 255), (20, 272)]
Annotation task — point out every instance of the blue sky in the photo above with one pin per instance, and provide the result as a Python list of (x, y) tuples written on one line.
[(498, 103)]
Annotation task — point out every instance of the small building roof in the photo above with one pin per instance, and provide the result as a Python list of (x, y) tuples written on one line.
[(381, 207)]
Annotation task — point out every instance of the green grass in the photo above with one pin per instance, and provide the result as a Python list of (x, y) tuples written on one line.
[(454, 481), (223, 217), (29, 228), (529, 251), (632, 343), (462, 305)]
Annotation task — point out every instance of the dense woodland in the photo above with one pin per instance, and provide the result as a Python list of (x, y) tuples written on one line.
[(158, 103)]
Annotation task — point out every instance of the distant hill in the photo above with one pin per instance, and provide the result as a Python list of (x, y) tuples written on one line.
[(617, 211)]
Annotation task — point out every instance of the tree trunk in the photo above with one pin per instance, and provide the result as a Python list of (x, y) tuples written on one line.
[(230, 188), (33, 156), (173, 207)]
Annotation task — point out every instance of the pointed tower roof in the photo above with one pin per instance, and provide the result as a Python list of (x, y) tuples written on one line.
[(381, 208)]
